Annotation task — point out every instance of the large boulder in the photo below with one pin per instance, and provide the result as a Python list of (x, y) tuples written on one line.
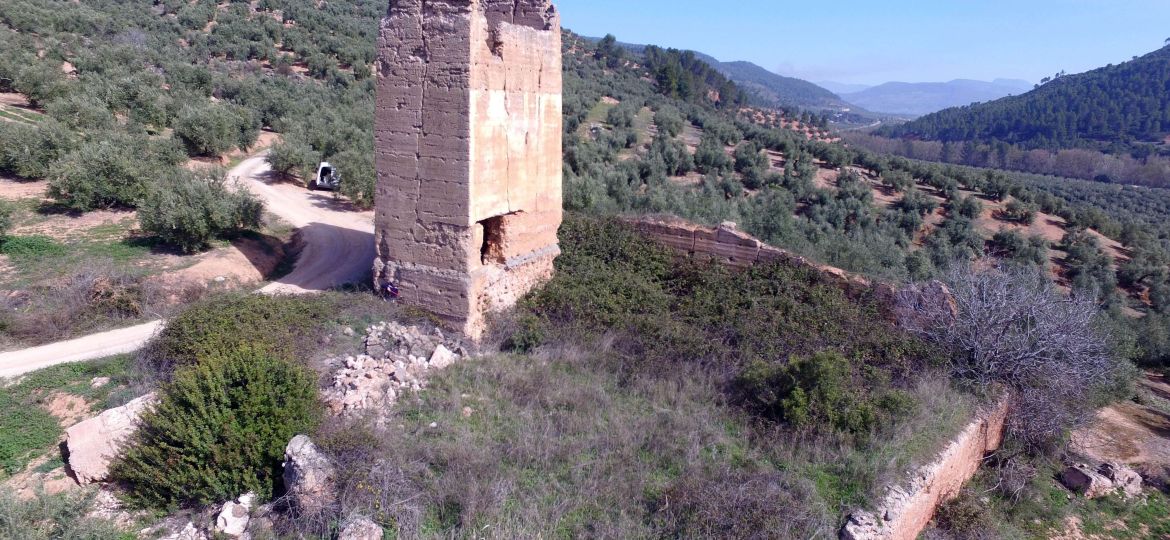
[(1084, 480), (361, 528), (1125, 479), (93, 444), (308, 475)]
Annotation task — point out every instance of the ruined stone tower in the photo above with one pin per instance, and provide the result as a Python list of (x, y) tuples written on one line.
[(468, 142)]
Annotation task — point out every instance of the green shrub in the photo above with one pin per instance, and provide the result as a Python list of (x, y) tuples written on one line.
[(81, 112), (28, 151), (188, 209), (292, 156), (358, 177), (213, 129), (104, 173), (820, 390), (220, 430), (1019, 212), (281, 325)]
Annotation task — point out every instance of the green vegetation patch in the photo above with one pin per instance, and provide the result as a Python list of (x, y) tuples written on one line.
[(31, 249), (287, 326), (27, 430), (220, 430)]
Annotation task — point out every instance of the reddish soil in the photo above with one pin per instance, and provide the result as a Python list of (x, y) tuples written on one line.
[(28, 483), (827, 178), (246, 262), (68, 409), (1132, 433), (14, 190), (13, 100)]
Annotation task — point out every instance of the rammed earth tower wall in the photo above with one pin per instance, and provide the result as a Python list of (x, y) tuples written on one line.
[(468, 142)]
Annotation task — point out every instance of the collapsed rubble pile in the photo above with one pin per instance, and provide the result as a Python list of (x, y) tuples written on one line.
[(398, 358)]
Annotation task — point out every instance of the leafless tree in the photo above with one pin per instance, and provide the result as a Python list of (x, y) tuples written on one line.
[(1011, 328)]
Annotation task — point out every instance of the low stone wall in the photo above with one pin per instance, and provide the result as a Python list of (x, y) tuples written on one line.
[(906, 511), (729, 246)]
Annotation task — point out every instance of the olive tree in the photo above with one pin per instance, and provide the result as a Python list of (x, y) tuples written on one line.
[(187, 209)]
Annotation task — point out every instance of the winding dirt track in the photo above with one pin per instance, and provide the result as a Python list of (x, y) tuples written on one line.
[(338, 248)]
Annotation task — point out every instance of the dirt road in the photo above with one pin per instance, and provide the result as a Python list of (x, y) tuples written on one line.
[(338, 248), (338, 242)]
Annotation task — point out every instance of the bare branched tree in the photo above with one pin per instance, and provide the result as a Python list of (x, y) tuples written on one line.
[(1011, 328)]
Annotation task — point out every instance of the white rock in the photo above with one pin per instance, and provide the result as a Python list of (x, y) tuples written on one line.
[(98, 382), (94, 443), (233, 518), (308, 474), (361, 529), (190, 532), (1125, 479), (442, 357), (1083, 480)]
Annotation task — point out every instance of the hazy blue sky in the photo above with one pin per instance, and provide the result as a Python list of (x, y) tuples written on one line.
[(874, 41)]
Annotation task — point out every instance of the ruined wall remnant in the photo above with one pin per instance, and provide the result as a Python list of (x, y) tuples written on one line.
[(906, 511), (730, 247), (468, 150)]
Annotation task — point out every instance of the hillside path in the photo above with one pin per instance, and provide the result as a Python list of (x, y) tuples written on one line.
[(337, 248)]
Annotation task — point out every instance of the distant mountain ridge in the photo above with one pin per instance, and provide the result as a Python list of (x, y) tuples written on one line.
[(843, 88), (1126, 104), (774, 90), (917, 99)]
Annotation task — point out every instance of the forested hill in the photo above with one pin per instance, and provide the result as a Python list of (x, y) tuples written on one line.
[(769, 89), (777, 90), (1126, 104)]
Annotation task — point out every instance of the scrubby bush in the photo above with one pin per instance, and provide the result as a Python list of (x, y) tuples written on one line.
[(293, 156), (818, 391), (81, 112), (358, 178), (1019, 212), (28, 151), (212, 129), (967, 207), (280, 325), (188, 209), (1011, 328), (103, 173), (1013, 246), (219, 430), (669, 122)]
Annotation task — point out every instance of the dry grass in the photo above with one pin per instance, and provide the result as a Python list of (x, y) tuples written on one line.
[(92, 298), (570, 443)]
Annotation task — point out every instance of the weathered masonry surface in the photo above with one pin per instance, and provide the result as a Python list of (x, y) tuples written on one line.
[(468, 151)]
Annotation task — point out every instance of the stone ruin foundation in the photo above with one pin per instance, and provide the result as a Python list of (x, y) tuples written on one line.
[(468, 152)]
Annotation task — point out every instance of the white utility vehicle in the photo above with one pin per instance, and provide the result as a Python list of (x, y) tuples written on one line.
[(327, 177)]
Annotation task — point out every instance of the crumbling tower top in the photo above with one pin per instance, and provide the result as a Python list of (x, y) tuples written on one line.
[(468, 151)]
